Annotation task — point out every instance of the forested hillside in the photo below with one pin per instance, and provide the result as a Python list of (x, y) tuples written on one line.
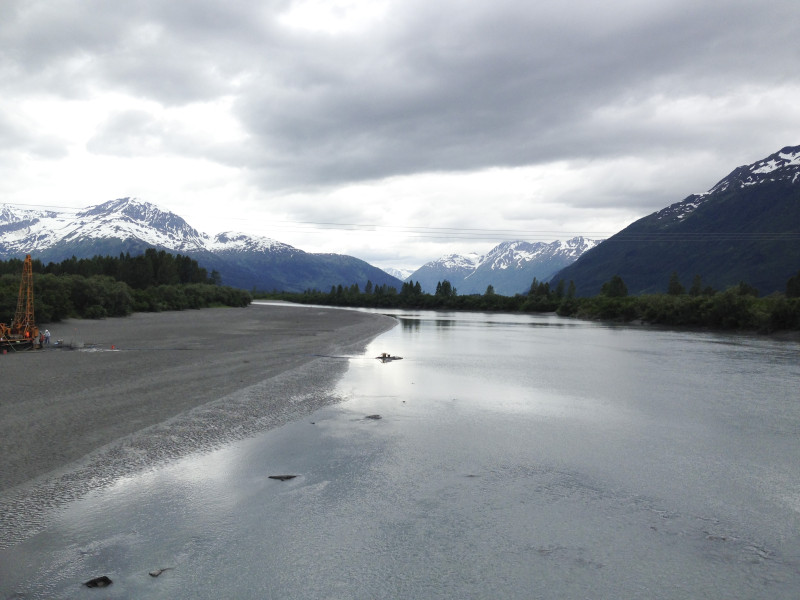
[(745, 228), (106, 286)]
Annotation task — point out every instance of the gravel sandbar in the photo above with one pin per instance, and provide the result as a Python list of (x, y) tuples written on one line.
[(58, 406)]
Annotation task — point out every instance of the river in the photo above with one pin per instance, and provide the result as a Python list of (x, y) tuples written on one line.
[(506, 456)]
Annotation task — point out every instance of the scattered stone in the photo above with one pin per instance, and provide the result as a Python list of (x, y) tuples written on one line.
[(373, 417), (99, 582), (282, 477)]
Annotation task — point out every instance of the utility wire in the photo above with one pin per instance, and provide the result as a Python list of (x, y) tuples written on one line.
[(484, 234)]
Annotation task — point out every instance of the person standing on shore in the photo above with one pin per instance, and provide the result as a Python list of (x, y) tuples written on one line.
[(47, 337)]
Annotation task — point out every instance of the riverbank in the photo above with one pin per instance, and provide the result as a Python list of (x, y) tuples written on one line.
[(515, 456), (129, 374), (736, 309)]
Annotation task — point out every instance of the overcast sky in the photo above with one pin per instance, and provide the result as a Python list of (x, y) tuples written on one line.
[(392, 130)]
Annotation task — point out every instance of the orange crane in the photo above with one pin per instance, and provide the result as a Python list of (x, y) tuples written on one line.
[(23, 332)]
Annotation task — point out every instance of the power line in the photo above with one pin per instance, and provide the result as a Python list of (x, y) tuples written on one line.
[(486, 234), (414, 230)]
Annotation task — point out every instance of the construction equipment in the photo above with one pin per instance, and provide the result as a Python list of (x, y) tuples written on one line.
[(23, 333)]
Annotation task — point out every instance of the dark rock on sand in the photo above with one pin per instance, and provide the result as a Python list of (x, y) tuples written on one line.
[(99, 582)]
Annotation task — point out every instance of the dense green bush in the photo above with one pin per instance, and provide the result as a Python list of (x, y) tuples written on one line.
[(94, 288)]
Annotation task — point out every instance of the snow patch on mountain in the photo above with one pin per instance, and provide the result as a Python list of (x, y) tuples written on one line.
[(785, 158), (680, 210), (401, 274), (784, 165), (781, 166), (459, 261), (229, 241)]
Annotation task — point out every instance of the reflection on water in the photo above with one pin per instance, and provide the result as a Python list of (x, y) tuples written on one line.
[(409, 324), (516, 457)]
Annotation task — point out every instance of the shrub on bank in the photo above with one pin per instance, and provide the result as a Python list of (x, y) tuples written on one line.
[(738, 307)]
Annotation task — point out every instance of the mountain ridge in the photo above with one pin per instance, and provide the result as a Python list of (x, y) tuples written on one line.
[(744, 228), (130, 225), (510, 267)]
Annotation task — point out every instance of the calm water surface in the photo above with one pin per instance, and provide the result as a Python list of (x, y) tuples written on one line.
[(515, 457)]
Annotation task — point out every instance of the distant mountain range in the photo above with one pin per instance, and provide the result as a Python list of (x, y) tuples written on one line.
[(246, 261), (509, 268), (129, 225), (745, 228)]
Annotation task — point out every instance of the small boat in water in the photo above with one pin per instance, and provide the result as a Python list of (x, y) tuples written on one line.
[(386, 357)]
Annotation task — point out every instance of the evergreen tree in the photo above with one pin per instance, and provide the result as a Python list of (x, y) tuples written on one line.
[(444, 289), (560, 289), (675, 288), (745, 289), (793, 286), (697, 286), (614, 288), (534, 287)]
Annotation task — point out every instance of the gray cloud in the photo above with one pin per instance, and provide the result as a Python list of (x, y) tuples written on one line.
[(129, 133), (436, 86), (506, 85), (691, 89), (16, 138)]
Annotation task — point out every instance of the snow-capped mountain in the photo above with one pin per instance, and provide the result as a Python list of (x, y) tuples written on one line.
[(130, 225), (401, 274), (231, 241), (745, 228), (453, 267), (517, 255), (37, 232), (783, 166), (509, 267)]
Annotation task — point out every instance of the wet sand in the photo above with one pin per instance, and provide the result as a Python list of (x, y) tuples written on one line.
[(59, 405)]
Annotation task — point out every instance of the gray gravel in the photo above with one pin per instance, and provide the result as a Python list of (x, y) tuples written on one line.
[(150, 387)]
